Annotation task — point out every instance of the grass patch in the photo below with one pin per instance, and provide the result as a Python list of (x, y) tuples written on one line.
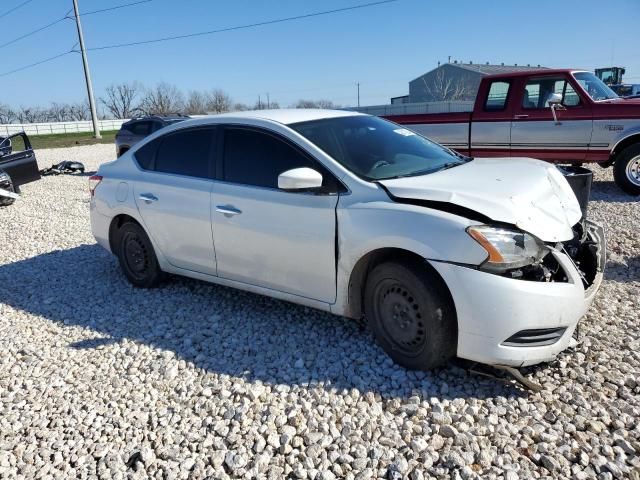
[(61, 140)]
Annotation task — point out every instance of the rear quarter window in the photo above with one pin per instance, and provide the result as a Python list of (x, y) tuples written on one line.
[(497, 98), (144, 155)]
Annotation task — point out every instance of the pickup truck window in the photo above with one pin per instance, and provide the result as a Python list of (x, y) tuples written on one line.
[(497, 98), (537, 92), (375, 149), (596, 89)]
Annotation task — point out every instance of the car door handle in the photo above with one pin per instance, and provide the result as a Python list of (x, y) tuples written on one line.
[(147, 197), (228, 210), (519, 117)]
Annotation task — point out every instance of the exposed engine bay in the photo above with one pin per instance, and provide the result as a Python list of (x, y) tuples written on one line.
[(584, 251)]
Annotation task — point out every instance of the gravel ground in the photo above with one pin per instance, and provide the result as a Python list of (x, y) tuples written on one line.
[(99, 380)]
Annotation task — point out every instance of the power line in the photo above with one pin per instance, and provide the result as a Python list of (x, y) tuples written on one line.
[(116, 7), (241, 27), (4, 74), (10, 42), (67, 17), (15, 8)]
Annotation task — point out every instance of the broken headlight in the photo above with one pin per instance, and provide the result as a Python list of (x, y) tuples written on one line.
[(507, 248)]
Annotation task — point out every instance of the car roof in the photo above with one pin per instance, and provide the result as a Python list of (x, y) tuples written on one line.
[(285, 116), (535, 71), (176, 116)]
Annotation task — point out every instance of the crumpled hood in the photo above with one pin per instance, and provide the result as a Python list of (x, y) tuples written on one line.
[(528, 193)]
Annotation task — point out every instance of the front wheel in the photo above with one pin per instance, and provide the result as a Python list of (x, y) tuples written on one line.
[(137, 257), (626, 170), (411, 314)]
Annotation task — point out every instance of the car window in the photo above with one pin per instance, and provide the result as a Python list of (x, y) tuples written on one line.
[(497, 97), (185, 152), (252, 157), (145, 154), (139, 128), (376, 149), (538, 91)]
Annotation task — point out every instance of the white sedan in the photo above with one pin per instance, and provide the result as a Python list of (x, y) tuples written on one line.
[(443, 255)]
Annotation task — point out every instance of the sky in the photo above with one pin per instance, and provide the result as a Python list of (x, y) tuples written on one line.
[(381, 47)]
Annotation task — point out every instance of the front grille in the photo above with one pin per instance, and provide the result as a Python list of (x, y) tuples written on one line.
[(537, 337)]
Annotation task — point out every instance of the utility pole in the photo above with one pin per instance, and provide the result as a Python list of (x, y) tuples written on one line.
[(87, 75), (268, 102), (358, 84)]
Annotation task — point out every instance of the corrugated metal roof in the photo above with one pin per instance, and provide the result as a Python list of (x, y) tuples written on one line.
[(485, 69)]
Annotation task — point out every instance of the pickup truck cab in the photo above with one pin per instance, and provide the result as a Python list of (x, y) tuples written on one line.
[(560, 115)]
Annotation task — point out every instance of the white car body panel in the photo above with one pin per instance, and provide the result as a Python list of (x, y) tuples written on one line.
[(528, 193), (284, 244), (276, 228)]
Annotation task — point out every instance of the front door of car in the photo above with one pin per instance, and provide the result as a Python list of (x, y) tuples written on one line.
[(535, 133), (18, 160), (267, 237), (173, 196)]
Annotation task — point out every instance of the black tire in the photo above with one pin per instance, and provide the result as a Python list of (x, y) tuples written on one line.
[(137, 257), (411, 314), (626, 169), (7, 184)]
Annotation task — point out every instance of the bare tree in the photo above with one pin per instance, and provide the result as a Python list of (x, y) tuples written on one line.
[(444, 88), (31, 115), (240, 107), (218, 101), (80, 111), (58, 112), (164, 99), (7, 114), (315, 104), (196, 104), (121, 100)]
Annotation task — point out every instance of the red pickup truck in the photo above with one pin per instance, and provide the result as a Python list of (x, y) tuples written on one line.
[(564, 116)]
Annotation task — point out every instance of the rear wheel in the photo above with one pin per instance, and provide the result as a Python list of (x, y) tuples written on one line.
[(137, 257), (411, 314), (626, 169)]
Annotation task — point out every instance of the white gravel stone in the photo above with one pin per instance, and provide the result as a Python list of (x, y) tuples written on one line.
[(192, 380)]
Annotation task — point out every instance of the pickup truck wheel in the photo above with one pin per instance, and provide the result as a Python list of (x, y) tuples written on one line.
[(626, 170), (137, 257), (411, 315)]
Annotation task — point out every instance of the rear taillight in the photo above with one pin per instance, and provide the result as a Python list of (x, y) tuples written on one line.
[(94, 180)]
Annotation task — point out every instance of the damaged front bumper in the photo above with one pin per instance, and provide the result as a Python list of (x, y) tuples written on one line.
[(516, 322)]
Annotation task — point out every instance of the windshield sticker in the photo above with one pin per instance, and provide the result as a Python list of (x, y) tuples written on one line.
[(404, 132)]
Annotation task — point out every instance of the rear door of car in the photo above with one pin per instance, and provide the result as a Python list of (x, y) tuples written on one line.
[(269, 237), (534, 133), (18, 159), (173, 196)]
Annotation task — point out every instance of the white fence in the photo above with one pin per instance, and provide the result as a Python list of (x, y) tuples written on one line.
[(414, 108), (58, 127)]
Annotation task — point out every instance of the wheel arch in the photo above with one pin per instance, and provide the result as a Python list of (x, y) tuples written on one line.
[(361, 269), (622, 145), (116, 224)]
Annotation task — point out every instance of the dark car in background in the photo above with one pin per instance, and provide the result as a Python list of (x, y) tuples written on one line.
[(18, 166), (136, 129)]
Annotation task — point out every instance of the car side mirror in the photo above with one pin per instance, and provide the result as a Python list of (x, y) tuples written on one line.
[(555, 102), (299, 179), (554, 99)]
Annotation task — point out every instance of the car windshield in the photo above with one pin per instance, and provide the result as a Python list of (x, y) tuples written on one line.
[(596, 89), (376, 149)]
